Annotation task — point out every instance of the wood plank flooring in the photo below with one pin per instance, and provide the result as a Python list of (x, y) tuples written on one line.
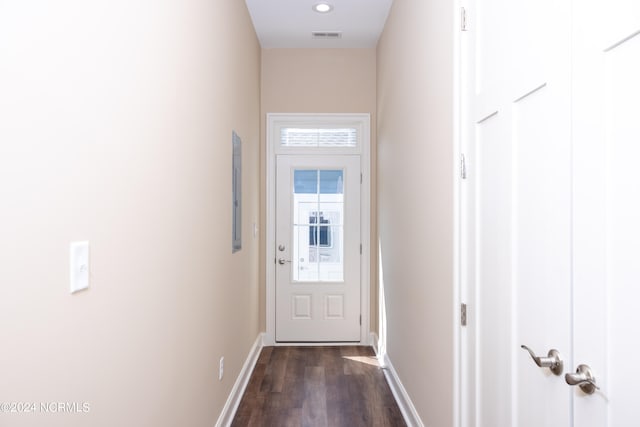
[(318, 387)]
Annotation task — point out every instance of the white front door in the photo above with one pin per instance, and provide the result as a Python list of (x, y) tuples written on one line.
[(317, 248), (552, 211)]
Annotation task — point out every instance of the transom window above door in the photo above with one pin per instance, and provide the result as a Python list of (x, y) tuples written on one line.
[(318, 137), (320, 134)]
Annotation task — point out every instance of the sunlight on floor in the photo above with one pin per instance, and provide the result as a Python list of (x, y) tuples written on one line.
[(369, 360)]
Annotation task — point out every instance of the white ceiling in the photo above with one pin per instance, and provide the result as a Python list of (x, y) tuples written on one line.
[(289, 23)]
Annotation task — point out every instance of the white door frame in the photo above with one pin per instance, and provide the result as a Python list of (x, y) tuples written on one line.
[(363, 123)]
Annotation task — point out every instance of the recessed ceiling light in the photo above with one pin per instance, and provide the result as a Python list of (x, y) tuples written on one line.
[(323, 8)]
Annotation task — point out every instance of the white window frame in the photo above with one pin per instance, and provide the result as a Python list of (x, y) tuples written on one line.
[(362, 122)]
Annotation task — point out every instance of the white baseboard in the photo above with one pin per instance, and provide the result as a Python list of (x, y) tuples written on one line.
[(233, 401), (373, 342), (409, 412)]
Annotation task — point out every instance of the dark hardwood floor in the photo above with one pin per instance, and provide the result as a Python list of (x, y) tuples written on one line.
[(318, 386)]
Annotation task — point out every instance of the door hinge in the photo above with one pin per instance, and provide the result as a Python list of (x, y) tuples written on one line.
[(361, 320), (463, 19), (360, 248), (463, 314), (360, 177), (463, 167)]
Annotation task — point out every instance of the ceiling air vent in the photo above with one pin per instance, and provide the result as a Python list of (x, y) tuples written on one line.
[(326, 35)]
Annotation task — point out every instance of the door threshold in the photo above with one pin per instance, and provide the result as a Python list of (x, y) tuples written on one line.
[(316, 343)]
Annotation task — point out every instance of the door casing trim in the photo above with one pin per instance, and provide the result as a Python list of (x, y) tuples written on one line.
[(365, 219)]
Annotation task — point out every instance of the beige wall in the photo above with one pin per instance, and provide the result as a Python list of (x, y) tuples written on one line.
[(115, 127), (415, 200), (318, 81)]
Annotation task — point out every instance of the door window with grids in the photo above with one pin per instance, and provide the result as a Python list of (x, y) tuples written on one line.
[(318, 237)]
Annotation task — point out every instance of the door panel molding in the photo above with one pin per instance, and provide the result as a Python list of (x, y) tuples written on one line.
[(515, 211)]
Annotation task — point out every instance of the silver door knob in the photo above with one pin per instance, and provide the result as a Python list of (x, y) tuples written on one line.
[(552, 361), (283, 261), (583, 378)]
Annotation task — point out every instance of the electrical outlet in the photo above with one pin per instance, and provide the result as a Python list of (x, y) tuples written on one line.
[(79, 263), (221, 371)]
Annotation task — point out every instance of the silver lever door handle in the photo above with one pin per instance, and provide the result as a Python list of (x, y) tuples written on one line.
[(552, 361), (583, 378), (283, 261)]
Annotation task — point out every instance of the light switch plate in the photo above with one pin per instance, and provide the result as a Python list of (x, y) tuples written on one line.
[(79, 266)]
